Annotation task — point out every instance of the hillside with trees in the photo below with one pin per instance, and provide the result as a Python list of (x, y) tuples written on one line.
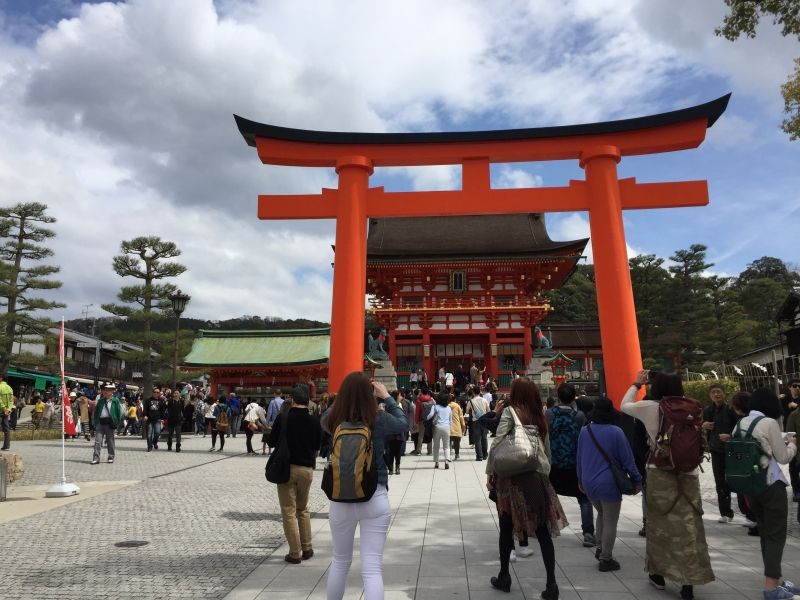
[(684, 312)]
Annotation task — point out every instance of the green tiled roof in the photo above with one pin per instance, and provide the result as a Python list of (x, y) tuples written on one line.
[(260, 348)]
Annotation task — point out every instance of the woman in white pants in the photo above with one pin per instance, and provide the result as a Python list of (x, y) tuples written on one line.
[(442, 416), (358, 400)]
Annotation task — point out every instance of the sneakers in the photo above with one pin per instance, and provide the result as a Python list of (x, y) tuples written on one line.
[(748, 523), (525, 551), (657, 581), (724, 519), (588, 540), (513, 557), (95, 462), (608, 565), (788, 585), (110, 460), (211, 449), (779, 593)]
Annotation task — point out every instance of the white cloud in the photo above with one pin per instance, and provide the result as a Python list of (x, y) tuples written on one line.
[(121, 117), (575, 226), (509, 177)]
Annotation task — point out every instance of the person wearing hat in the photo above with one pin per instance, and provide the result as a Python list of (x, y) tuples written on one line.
[(304, 435), (107, 418), (600, 439), (718, 423)]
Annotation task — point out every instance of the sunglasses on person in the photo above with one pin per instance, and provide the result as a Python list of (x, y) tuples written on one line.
[(795, 386)]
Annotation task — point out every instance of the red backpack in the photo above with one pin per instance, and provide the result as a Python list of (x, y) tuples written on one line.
[(680, 444)]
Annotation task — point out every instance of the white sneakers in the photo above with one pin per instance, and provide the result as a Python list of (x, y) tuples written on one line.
[(725, 520), (748, 523), (524, 551), (513, 557)]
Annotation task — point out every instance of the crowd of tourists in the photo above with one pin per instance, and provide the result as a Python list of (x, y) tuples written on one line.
[(575, 448), (535, 452)]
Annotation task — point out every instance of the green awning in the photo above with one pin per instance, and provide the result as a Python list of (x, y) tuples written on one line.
[(40, 380), (259, 348)]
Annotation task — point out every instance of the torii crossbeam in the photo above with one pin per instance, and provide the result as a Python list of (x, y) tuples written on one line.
[(597, 146)]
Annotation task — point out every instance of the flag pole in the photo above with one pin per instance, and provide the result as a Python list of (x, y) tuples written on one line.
[(63, 489)]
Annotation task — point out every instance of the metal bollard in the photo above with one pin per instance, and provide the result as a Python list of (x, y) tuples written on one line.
[(3, 479)]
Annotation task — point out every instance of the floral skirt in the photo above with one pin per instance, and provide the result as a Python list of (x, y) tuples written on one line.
[(531, 501)]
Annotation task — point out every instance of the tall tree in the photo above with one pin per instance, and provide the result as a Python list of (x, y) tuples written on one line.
[(769, 267), (743, 19), (22, 231), (146, 259), (650, 282), (688, 312), (732, 331), (576, 300)]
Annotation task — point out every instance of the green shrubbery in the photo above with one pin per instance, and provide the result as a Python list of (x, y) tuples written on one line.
[(699, 389)]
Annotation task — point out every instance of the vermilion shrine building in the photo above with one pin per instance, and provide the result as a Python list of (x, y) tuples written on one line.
[(464, 289)]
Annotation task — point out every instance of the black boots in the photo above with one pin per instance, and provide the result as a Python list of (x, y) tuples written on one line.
[(177, 447), (501, 582), (550, 592)]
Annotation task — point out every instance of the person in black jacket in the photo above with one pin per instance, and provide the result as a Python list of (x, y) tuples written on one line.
[(174, 420), (719, 421), (155, 409), (303, 434)]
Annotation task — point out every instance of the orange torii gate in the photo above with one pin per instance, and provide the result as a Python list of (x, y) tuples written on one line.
[(598, 147)]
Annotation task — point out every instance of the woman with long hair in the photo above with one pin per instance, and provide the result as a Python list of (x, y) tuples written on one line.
[(357, 401), (525, 502), (674, 504)]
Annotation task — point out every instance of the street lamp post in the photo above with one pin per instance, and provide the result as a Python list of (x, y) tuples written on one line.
[(179, 301)]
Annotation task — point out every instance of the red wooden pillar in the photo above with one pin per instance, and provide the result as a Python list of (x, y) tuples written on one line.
[(527, 350), (618, 331), (212, 384), (349, 269)]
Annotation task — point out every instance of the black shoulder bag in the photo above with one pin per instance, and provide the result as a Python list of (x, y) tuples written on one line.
[(622, 478), (279, 462)]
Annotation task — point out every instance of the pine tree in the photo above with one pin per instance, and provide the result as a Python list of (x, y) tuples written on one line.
[(145, 258), (22, 231)]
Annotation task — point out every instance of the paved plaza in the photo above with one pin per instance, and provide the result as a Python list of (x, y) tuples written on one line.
[(213, 529)]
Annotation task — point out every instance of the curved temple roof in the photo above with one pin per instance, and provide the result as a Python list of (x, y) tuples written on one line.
[(282, 347), (710, 111), (516, 235)]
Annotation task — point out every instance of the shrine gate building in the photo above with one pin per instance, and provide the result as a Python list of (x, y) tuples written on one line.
[(463, 289)]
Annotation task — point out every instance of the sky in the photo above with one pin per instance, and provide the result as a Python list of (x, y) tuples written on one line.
[(119, 117)]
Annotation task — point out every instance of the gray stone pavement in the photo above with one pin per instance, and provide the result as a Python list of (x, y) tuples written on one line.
[(213, 527)]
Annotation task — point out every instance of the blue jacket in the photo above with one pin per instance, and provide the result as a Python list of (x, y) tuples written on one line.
[(594, 473)]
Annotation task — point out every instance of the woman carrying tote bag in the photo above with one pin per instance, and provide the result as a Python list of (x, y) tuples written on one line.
[(526, 503)]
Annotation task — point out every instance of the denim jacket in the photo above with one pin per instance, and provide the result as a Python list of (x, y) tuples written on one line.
[(387, 423)]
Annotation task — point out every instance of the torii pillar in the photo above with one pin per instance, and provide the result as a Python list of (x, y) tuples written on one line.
[(597, 146)]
